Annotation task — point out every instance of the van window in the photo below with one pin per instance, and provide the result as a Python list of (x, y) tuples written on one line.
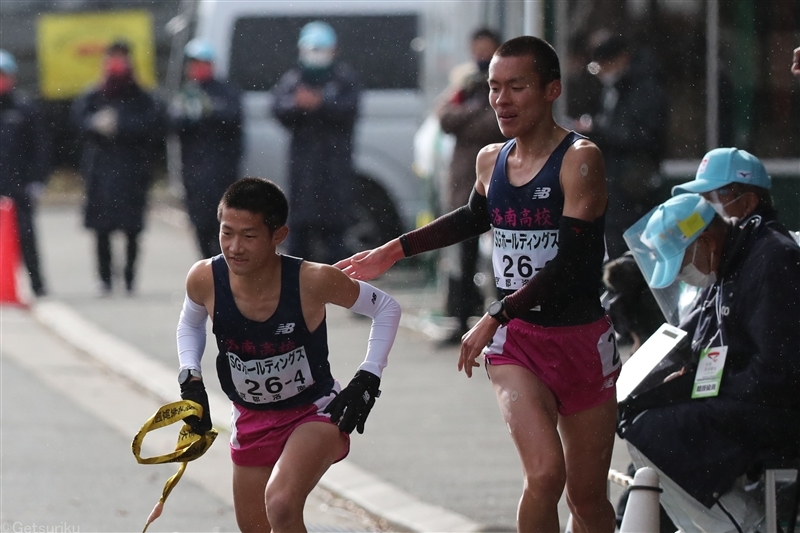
[(377, 47)]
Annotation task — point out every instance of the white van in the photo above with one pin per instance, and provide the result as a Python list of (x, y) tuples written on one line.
[(384, 41)]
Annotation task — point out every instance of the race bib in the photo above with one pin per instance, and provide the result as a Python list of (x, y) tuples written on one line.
[(519, 255), (609, 353), (272, 379)]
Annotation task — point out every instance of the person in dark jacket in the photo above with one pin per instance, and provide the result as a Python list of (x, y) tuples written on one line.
[(467, 115), (120, 125), (24, 162), (737, 185), (207, 117), (318, 103), (630, 129), (712, 430)]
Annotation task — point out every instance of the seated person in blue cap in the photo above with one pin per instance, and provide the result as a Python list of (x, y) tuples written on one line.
[(736, 184), (735, 403)]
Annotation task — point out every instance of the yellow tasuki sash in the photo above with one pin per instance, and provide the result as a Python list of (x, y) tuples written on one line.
[(189, 447)]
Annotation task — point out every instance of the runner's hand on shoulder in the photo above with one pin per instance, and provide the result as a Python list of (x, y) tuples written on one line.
[(195, 391), (350, 408)]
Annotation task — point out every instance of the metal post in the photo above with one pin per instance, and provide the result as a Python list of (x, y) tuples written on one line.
[(533, 15), (712, 74), (562, 47), (179, 26)]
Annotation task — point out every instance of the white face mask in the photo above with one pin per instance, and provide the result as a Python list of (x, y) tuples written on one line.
[(608, 79), (691, 274), (718, 206), (316, 57)]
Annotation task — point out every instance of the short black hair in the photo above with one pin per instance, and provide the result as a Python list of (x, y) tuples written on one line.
[(545, 59), (119, 46), (259, 196), (487, 33), (610, 46), (763, 194)]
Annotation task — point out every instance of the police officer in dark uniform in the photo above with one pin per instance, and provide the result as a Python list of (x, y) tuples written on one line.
[(120, 125), (318, 103), (24, 162), (207, 117)]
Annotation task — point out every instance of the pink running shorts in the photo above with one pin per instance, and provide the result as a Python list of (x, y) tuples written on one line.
[(579, 364), (258, 437)]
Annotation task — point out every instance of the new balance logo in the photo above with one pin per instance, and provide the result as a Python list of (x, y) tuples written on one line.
[(284, 329), (540, 193)]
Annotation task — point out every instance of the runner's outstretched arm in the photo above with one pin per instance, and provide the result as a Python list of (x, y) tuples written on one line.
[(352, 405)]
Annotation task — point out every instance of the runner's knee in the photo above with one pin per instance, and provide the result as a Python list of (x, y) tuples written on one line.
[(283, 508), (546, 482)]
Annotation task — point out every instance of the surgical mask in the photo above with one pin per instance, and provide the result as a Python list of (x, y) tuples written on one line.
[(117, 67), (483, 66), (6, 84), (691, 275), (316, 58), (200, 71), (718, 206)]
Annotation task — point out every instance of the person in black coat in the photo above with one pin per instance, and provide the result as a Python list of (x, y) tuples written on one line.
[(207, 117), (706, 435), (120, 125), (630, 129), (318, 102), (24, 162)]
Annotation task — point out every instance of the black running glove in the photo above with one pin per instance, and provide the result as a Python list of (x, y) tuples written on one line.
[(351, 407), (195, 391)]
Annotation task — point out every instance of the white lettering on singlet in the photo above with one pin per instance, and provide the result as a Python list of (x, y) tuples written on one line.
[(272, 379), (519, 254)]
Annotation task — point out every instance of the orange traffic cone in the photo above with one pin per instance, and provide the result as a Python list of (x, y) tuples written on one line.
[(9, 252)]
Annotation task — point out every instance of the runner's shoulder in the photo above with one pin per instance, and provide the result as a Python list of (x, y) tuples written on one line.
[(200, 281), (322, 280), (583, 150), (485, 162)]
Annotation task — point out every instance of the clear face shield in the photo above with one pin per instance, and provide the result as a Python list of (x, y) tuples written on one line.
[(674, 300)]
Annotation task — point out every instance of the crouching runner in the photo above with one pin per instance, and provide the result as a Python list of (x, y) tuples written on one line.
[(291, 419)]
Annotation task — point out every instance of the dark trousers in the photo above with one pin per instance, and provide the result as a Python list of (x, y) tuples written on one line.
[(464, 298), (27, 241), (208, 240), (322, 244), (104, 259)]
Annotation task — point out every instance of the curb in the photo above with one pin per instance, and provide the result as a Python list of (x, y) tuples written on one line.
[(344, 479)]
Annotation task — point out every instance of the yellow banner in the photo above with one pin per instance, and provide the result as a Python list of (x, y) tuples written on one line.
[(70, 49)]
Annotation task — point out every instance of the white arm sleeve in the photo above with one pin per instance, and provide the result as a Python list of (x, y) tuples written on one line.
[(385, 313), (191, 334)]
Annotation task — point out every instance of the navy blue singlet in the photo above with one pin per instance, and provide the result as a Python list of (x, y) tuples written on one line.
[(275, 364), (525, 223)]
